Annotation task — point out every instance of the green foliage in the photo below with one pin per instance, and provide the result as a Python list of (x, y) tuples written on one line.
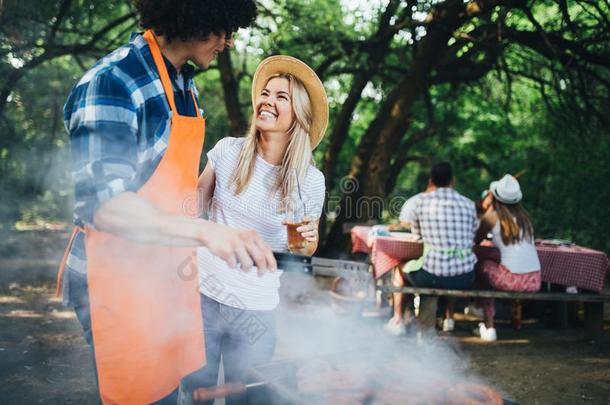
[(34, 162), (530, 111)]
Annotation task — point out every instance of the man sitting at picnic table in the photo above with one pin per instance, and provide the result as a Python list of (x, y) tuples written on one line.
[(447, 223), (408, 208)]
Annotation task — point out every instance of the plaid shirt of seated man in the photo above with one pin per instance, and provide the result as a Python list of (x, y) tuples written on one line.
[(447, 222)]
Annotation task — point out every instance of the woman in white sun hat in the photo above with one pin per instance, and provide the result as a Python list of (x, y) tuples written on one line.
[(250, 182), (513, 235)]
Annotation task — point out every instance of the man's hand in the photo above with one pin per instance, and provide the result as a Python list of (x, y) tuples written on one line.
[(134, 218), (238, 246)]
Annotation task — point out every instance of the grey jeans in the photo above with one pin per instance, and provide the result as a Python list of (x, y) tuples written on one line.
[(243, 338), (428, 304)]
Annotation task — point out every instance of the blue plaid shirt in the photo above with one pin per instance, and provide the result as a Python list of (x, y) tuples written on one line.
[(118, 119)]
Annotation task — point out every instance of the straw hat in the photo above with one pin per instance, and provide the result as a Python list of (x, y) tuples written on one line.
[(506, 190), (282, 64)]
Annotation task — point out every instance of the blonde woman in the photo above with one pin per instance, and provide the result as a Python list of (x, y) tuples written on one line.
[(250, 183), (513, 235)]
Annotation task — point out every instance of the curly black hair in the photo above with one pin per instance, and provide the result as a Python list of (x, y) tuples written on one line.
[(195, 19)]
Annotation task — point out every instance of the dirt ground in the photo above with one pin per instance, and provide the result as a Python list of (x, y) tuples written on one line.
[(44, 358)]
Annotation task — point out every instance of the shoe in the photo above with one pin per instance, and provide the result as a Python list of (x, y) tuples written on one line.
[(395, 328), (448, 325), (474, 311), (486, 334)]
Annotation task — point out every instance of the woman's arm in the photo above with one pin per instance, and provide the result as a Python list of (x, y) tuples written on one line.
[(205, 187), (487, 223)]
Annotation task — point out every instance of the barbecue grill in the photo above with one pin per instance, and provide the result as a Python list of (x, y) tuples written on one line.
[(320, 266), (346, 378), (288, 383)]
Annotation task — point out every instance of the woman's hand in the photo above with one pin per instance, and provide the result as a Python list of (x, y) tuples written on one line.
[(309, 230)]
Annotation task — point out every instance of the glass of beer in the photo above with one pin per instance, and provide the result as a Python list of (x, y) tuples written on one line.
[(294, 219), (296, 241), (295, 215)]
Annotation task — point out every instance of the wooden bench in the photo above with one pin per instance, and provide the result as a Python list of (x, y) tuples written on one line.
[(359, 272), (593, 303)]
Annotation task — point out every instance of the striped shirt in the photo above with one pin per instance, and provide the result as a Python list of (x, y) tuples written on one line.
[(258, 208), (447, 223), (118, 120)]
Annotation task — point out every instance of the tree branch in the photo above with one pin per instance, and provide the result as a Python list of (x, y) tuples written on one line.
[(401, 157), (465, 69), (567, 51), (325, 65), (51, 51), (63, 10)]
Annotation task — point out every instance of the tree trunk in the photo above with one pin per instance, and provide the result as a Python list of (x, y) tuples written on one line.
[(342, 125), (7, 87), (382, 40), (371, 164), (230, 86)]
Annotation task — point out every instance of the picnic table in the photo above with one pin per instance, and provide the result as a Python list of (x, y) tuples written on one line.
[(386, 252), (563, 265)]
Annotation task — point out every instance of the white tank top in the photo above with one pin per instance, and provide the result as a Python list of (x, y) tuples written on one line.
[(519, 257)]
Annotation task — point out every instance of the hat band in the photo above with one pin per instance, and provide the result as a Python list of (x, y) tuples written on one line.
[(503, 199)]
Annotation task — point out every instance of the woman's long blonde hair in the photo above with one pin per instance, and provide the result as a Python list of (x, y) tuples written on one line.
[(298, 153), (515, 223)]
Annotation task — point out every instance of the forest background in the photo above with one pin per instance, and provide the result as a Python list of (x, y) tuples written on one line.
[(493, 86)]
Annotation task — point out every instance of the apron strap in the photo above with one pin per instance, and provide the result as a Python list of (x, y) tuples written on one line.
[(195, 104), (161, 69), (418, 264), (64, 260)]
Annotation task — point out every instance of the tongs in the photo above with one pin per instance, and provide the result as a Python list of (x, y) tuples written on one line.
[(320, 266), (222, 391)]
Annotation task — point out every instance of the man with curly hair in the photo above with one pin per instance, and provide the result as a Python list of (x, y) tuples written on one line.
[(136, 135)]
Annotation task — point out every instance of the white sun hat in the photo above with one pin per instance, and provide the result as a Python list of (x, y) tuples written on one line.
[(506, 190)]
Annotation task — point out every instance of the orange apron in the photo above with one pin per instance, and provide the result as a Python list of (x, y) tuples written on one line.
[(145, 311)]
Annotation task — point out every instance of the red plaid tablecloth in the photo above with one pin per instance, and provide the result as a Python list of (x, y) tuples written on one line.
[(386, 251), (563, 265), (360, 239), (574, 265)]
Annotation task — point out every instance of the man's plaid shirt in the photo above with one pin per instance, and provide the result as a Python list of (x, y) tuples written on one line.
[(118, 120), (447, 223)]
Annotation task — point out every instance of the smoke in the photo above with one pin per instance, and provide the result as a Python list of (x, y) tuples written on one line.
[(325, 343), (36, 186), (342, 352)]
